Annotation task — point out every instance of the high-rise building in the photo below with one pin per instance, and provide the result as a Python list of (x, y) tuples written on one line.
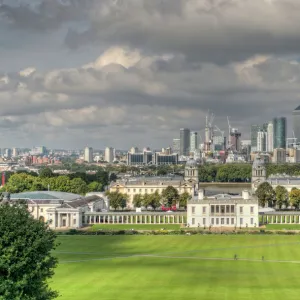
[(134, 150), (15, 152), (194, 141), (279, 125), (7, 153), (176, 146), (88, 154), (235, 139), (184, 141), (109, 154), (254, 130), (296, 123), (279, 156), (143, 158), (270, 137), (261, 141)]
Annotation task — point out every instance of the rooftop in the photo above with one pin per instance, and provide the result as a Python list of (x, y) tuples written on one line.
[(46, 195)]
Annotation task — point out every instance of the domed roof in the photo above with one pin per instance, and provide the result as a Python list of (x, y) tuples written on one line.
[(258, 162), (191, 163)]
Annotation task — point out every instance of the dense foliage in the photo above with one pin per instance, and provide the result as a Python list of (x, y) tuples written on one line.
[(78, 183), (26, 262)]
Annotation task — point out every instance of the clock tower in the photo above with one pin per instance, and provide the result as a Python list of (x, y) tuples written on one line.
[(259, 172)]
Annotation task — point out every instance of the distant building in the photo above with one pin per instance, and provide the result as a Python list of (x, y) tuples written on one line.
[(184, 141), (235, 139), (143, 158), (279, 155), (8, 153), (279, 132), (38, 150), (165, 159), (254, 130), (261, 141), (270, 137), (193, 141), (134, 150), (176, 146), (15, 152), (88, 154), (296, 123), (109, 154)]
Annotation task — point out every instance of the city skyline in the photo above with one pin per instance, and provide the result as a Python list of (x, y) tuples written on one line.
[(67, 80)]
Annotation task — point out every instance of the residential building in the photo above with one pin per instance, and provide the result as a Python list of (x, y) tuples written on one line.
[(279, 125), (270, 137), (88, 154), (193, 141), (109, 154), (184, 141), (296, 123), (176, 146), (223, 211)]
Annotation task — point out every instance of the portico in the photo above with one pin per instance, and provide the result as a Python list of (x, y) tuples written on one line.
[(280, 217)]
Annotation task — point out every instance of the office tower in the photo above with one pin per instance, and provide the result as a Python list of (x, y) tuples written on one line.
[(296, 123), (88, 154), (7, 153), (279, 125), (270, 137), (15, 152), (109, 154), (184, 141), (143, 158), (261, 141), (254, 130), (134, 150), (235, 139), (176, 146), (194, 141)]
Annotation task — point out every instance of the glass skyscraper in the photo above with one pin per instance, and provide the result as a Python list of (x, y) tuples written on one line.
[(279, 137), (184, 141)]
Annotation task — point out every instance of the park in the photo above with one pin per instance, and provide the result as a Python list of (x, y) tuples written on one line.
[(177, 267)]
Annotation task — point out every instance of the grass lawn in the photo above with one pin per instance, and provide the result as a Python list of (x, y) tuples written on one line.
[(283, 226), (135, 226), (178, 267)]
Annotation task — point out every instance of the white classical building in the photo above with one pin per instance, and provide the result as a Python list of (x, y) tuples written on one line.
[(223, 211), (60, 209), (148, 185)]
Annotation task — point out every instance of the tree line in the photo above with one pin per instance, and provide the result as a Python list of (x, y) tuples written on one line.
[(78, 183), (277, 197), (168, 198)]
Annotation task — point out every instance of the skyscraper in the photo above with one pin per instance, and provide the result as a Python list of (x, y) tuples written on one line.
[(109, 154), (194, 141), (261, 141), (254, 130), (279, 125), (88, 154), (184, 141), (296, 123), (176, 146), (270, 137)]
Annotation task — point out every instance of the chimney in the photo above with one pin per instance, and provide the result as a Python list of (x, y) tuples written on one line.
[(246, 195), (200, 194)]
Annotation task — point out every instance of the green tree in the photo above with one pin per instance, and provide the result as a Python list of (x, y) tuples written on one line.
[(94, 187), (123, 200), (154, 200), (184, 198), (170, 195), (137, 200), (46, 173), (78, 186), (113, 177), (26, 261), (265, 194), (117, 199), (20, 182), (295, 198), (282, 196)]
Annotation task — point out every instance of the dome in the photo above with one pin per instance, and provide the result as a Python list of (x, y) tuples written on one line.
[(258, 162), (191, 163)]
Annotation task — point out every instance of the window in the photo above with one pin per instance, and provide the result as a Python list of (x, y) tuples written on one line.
[(222, 209), (134, 190), (193, 209), (222, 221), (227, 209), (251, 221), (217, 208), (140, 190), (193, 221), (212, 221), (217, 221), (204, 210), (241, 209), (252, 209), (42, 210), (241, 221), (227, 221), (232, 209), (151, 190), (204, 221), (146, 190), (212, 209), (232, 221), (128, 190)]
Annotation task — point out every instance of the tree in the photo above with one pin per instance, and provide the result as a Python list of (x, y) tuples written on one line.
[(117, 199), (282, 196), (137, 200), (295, 198), (78, 186), (26, 261), (184, 198), (265, 194), (113, 177), (46, 173), (123, 200), (94, 187), (170, 196), (154, 200)]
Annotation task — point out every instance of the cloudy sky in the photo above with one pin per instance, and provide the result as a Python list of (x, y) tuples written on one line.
[(132, 72)]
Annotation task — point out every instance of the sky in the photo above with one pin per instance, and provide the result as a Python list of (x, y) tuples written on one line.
[(76, 73)]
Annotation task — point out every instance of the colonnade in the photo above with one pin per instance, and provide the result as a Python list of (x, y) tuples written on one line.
[(280, 219), (133, 219)]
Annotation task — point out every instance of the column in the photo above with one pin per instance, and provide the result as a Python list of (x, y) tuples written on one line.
[(58, 220)]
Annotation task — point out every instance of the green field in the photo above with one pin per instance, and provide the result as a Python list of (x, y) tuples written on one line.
[(178, 267), (283, 226)]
